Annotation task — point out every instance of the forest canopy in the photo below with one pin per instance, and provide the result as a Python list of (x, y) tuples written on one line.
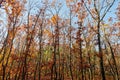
[(59, 40)]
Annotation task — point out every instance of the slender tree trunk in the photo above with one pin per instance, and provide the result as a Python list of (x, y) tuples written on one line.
[(80, 49), (100, 52), (112, 70), (114, 61), (70, 45), (40, 54), (35, 71)]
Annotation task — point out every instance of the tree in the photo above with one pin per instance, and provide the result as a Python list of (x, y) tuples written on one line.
[(103, 6)]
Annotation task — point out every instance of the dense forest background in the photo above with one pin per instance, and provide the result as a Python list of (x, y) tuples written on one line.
[(59, 40)]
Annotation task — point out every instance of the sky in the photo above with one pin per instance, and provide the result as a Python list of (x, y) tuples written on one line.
[(63, 12), (113, 10)]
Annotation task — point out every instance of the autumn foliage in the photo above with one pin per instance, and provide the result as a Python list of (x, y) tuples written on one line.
[(59, 40)]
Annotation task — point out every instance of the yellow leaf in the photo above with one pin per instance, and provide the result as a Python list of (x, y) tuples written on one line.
[(54, 19)]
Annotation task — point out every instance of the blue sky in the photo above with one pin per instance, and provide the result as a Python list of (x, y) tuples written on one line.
[(113, 10), (65, 11)]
